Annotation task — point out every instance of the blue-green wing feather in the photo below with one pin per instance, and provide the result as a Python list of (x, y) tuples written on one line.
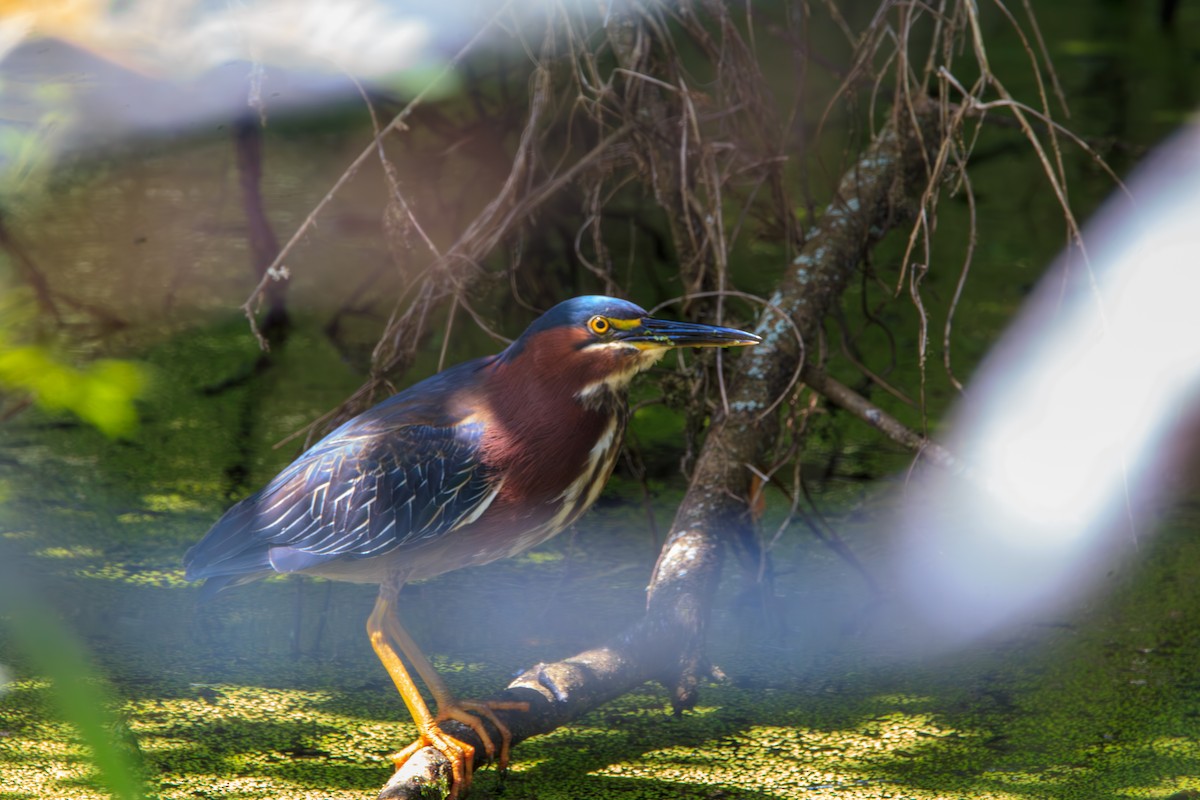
[(396, 475)]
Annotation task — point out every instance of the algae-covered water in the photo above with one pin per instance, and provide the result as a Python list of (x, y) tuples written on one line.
[(272, 691)]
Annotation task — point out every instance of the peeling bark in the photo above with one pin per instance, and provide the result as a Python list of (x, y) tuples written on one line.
[(667, 644)]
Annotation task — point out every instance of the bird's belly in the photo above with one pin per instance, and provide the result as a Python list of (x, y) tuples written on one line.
[(378, 569)]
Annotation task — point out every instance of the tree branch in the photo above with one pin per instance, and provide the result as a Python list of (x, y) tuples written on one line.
[(846, 398)]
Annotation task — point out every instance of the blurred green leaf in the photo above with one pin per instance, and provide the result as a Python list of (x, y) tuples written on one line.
[(102, 395), (82, 697), (108, 393)]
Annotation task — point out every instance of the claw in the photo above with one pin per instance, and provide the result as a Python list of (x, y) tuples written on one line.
[(465, 711), (460, 755)]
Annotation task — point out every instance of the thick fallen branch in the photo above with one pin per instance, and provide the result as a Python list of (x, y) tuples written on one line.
[(667, 645)]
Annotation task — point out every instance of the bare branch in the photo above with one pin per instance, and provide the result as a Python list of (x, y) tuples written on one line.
[(850, 400)]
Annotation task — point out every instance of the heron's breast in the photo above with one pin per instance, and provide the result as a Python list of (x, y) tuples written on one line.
[(546, 478)]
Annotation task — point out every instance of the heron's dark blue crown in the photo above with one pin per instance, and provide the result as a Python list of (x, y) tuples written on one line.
[(575, 313), (578, 310)]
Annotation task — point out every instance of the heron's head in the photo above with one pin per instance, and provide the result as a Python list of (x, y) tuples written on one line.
[(593, 343)]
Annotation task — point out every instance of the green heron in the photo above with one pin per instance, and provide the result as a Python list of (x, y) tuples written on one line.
[(479, 462)]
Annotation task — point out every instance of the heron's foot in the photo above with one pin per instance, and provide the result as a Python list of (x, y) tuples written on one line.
[(460, 755), (468, 712)]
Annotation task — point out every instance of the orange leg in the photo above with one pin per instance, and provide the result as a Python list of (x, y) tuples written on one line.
[(460, 754), (448, 707), (382, 626)]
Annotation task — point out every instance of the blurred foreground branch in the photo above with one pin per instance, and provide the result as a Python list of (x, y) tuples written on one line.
[(878, 193)]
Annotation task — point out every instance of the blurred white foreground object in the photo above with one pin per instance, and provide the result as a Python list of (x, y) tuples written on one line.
[(91, 72), (1068, 424)]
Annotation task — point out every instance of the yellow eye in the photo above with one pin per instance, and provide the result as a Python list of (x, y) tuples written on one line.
[(598, 325)]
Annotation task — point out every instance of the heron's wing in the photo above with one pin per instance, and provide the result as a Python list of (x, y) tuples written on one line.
[(367, 495), (366, 489)]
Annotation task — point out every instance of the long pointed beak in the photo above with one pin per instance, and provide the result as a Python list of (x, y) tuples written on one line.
[(654, 333)]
